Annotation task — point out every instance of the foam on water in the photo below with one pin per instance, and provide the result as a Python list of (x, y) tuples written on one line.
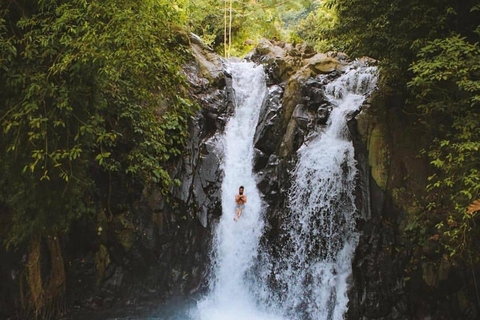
[(311, 276), (320, 234), (236, 243)]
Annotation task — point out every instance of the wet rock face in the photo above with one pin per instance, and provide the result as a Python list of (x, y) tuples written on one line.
[(394, 277), (269, 124), (391, 179), (162, 248), (295, 109)]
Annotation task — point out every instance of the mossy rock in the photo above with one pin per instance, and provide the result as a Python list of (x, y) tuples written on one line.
[(102, 226), (209, 63), (406, 200), (429, 274), (126, 238), (125, 231), (379, 156), (321, 63), (102, 260)]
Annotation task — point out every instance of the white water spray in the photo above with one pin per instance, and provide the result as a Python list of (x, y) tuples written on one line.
[(236, 243), (320, 235)]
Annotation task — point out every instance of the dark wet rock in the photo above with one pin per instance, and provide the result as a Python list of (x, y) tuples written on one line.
[(113, 279), (292, 139), (260, 160), (269, 124), (302, 116), (316, 98), (323, 112)]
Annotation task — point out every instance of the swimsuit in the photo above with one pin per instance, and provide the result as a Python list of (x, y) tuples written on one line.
[(240, 206)]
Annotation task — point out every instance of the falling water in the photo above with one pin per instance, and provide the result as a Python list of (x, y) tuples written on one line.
[(320, 232), (311, 277), (236, 243)]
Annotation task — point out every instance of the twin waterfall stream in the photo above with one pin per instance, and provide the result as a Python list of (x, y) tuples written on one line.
[(320, 234)]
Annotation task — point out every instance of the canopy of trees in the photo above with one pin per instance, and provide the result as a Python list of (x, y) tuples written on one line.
[(242, 22), (429, 53), (92, 109), (89, 89)]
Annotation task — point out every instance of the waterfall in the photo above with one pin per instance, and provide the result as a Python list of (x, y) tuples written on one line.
[(235, 246), (320, 234), (311, 276)]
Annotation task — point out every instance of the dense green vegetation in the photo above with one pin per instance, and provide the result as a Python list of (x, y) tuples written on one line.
[(430, 54), (93, 108), (88, 89), (250, 21), (446, 89)]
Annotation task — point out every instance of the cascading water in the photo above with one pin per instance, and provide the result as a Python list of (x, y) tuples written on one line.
[(310, 278), (236, 243), (320, 232)]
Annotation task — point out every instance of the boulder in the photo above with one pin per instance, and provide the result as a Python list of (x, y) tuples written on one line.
[(301, 116), (340, 56), (249, 42), (279, 65), (322, 63), (269, 124), (211, 65), (367, 61), (323, 112)]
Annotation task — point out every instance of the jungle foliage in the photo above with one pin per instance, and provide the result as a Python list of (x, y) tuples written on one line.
[(429, 53), (251, 21), (93, 108), (446, 88), (90, 93)]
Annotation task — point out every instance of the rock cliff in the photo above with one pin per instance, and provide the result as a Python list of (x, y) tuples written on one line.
[(395, 276), (158, 247)]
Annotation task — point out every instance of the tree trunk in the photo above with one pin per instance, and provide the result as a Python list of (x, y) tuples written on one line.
[(230, 30), (225, 28), (44, 301)]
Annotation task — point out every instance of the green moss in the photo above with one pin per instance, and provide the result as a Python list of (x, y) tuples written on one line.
[(124, 231), (408, 202), (430, 275), (379, 156), (126, 238), (102, 261)]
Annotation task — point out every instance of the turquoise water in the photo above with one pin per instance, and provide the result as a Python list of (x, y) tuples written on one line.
[(175, 309)]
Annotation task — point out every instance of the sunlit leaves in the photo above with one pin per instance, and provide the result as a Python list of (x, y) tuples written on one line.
[(251, 20), (81, 101), (447, 87)]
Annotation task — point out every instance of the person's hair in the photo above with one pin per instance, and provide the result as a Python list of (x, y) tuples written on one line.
[(241, 187)]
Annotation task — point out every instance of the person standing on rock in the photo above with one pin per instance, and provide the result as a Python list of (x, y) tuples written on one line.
[(240, 200)]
